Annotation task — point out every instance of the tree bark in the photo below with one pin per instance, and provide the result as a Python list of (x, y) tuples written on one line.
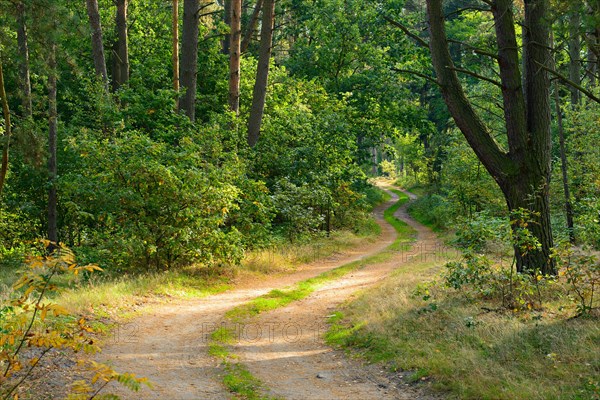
[(251, 26), (189, 57), (522, 172), (175, 56), (121, 52), (262, 73), (24, 70), (234, 56), (7, 130), (227, 21), (563, 165), (97, 44), (575, 54), (52, 139)]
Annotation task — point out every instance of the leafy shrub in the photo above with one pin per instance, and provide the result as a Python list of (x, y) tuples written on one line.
[(432, 210), (298, 208), (154, 204), (582, 274)]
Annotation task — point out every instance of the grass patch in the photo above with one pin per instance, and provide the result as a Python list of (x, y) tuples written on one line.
[(241, 382), (237, 378), (470, 353), (109, 297), (432, 211), (286, 256), (375, 196)]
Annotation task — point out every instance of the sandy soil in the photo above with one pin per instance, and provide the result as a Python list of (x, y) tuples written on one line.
[(284, 349), (169, 345)]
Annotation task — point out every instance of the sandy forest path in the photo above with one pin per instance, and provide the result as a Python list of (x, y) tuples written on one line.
[(283, 348)]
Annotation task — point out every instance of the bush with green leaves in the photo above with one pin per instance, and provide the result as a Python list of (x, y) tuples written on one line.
[(306, 156), (154, 204), (432, 210), (582, 273), (479, 277)]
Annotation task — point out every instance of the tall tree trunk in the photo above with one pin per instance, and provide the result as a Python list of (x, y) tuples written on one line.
[(591, 64), (52, 139), (175, 55), (121, 52), (97, 44), (227, 21), (234, 56), (189, 57), (7, 130), (563, 165), (251, 26), (262, 73), (575, 54), (24, 70), (522, 173)]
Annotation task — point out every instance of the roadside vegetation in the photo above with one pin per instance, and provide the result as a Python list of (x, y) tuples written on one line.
[(472, 327)]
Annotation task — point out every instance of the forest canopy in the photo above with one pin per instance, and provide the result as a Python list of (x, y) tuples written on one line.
[(155, 134)]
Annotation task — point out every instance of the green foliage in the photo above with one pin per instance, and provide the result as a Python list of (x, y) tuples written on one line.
[(480, 232), (431, 210), (155, 204), (584, 134), (582, 274)]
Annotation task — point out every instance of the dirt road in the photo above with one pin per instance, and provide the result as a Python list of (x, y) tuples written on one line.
[(283, 347)]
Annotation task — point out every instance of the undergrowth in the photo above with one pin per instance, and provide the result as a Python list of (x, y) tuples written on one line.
[(481, 330)]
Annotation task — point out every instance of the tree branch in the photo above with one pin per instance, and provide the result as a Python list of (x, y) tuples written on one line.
[(475, 49), (569, 82), (460, 10), (475, 75), (419, 74), (407, 32)]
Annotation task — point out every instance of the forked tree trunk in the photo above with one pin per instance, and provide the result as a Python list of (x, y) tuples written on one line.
[(121, 52), (251, 26), (234, 56), (97, 44), (522, 173), (7, 129), (189, 57), (24, 70), (259, 94), (52, 139)]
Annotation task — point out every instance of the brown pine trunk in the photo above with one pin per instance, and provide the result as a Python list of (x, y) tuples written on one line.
[(52, 139), (121, 52), (234, 56), (563, 165), (24, 69), (259, 94), (251, 26), (175, 56), (522, 173), (7, 129), (189, 57), (227, 20), (97, 44), (574, 54)]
